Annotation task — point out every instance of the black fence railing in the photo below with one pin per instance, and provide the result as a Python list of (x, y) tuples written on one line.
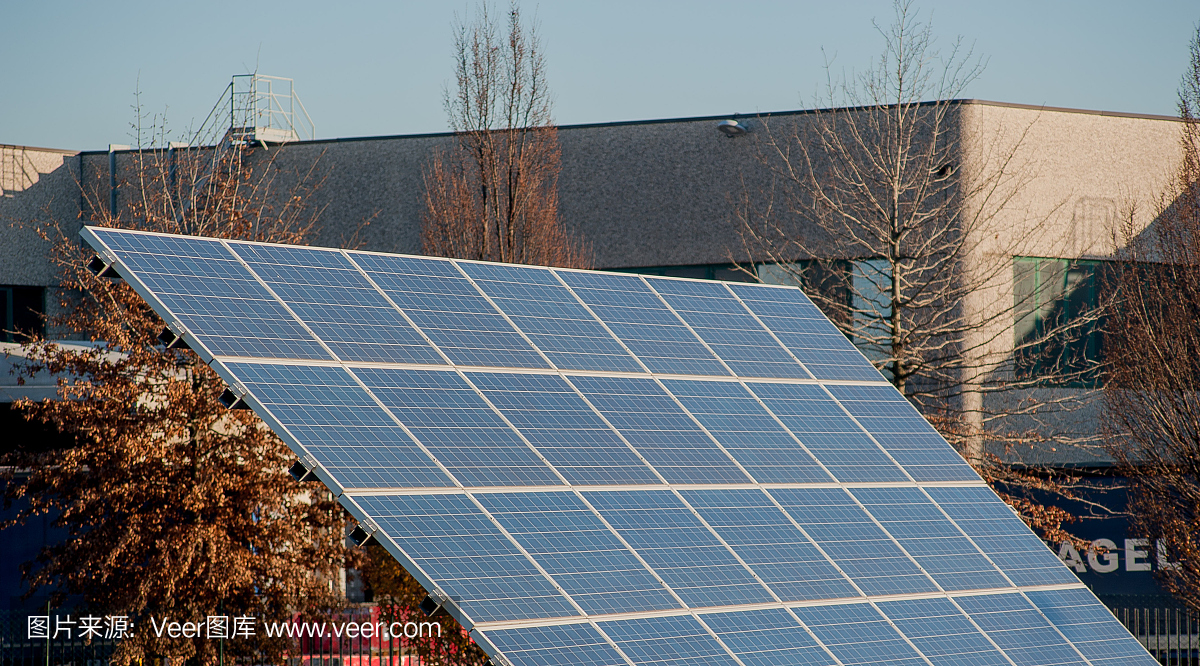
[(1172, 635), (63, 648)]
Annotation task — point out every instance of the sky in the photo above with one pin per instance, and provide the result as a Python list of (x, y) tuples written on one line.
[(73, 70)]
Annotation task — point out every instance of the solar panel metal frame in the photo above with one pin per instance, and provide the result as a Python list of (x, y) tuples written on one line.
[(504, 629)]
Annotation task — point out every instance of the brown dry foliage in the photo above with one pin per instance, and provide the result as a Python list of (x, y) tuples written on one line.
[(1153, 395), (175, 507), (398, 596), (494, 195)]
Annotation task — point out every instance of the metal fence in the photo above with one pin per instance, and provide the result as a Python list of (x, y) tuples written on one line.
[(1172, 635)]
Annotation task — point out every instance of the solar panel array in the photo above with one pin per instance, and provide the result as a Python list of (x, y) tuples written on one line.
[(614, 470)]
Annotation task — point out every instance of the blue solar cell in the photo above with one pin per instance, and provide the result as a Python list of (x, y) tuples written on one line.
[(450, 310), (904, 433), (578, 551), (767, 638), (998, 532), (567, 645), (672, 641), (123, 240), (655, 425), (564, 428), (455, 544), (552, 317), (678, 547), (728, 328), (764, 448), (446, 415), (1091, 627), (823, 427), (765, 539), (858, 634), (802, 328), (647, 327), (213, 295), (336, 421), (942, 633), (856, 544), (1020, 630), (933, 541), (329, 294), (516, 275)]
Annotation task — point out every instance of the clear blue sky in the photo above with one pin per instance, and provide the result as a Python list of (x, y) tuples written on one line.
[(370, 68)]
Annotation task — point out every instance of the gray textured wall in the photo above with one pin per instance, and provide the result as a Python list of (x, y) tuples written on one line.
[(38, 186), (654, 193)]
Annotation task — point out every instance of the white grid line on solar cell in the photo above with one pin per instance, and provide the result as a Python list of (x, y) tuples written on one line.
[(132, 279), (654, 572), (566, 372), (688, 326), (357, 492), (816, 603), (1022, 592), (437, 461), (874, 603), (757, 577), (985, 634), (862, 595), (768, 330)]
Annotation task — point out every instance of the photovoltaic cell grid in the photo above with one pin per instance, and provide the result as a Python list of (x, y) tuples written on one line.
[(611, 469)]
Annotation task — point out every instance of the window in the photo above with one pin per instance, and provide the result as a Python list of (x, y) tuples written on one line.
[(21, 313), (725, 272), (1058, 334)]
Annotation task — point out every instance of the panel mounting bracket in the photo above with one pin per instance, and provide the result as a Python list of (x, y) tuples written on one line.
[(304, 469), (171, 339), (103, 268), (233, 400), (436, 599), (364, 532)]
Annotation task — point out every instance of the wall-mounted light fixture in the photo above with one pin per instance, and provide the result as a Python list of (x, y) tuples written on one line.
[(731, 128)]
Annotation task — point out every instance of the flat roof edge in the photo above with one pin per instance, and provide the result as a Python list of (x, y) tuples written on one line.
[(60, 151), (693, 119)]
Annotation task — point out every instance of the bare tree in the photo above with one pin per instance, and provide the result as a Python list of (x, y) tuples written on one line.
[(873, 211), (494, 196), (1153, 394), (174, 506)]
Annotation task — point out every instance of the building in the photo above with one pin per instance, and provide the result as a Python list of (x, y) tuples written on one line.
[(658, 197)]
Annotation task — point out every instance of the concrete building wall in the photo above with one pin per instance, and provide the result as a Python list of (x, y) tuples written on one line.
[(37, 185), (1077, 179)]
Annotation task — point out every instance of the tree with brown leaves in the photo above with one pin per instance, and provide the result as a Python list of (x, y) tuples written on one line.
[(399, 596), (1153, 394), (176, 508), (874, 213), (494, 195)]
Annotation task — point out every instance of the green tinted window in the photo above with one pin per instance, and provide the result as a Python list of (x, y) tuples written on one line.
[(1058, 328)]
